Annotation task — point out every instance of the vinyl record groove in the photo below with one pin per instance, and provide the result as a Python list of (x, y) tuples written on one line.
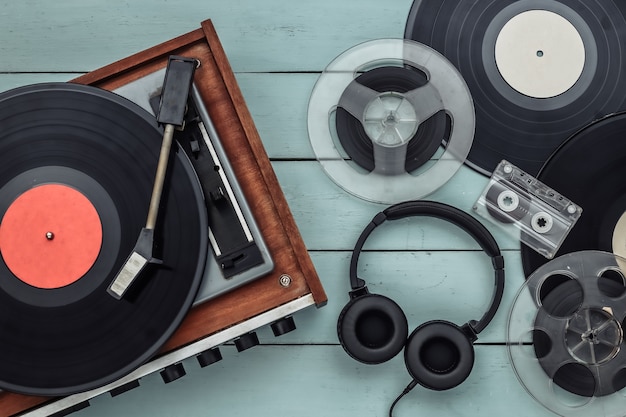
[(538, 70), (589, 169), (66, 338)]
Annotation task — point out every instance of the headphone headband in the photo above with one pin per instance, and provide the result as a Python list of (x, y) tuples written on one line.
[(453, 215)]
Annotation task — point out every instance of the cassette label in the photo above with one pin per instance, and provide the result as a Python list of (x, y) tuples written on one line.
[(527, 209)]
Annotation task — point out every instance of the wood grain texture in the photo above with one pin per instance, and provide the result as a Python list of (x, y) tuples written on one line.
[(258, 37), (322, 209)]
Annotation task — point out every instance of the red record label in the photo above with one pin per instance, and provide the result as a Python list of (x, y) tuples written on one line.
[(50, 236)]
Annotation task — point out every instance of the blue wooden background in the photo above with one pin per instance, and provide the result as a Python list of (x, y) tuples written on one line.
[(277, 49)]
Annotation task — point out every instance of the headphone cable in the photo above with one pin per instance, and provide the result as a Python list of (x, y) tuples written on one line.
[(408, 389)]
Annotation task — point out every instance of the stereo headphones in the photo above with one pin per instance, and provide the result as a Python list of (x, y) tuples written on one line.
[(372, 328)]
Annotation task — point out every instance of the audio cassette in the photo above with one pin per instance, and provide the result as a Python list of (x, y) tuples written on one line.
[(527, 209)]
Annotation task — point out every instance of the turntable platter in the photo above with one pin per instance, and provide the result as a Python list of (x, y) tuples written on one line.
[(77, 165)]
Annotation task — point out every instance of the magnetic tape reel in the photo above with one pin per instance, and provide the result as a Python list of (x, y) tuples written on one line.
[(565, 334), (378, 115)]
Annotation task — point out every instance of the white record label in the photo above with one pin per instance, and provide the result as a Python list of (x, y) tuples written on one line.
[(540, 54)]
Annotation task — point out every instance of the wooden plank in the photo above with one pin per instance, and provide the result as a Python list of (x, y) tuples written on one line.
[(9, 81), (279, 105), (330, 218), (447, 285), (282, 380), (76, 35)]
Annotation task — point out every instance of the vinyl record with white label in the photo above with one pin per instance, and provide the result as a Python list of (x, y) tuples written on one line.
[(538, 70)]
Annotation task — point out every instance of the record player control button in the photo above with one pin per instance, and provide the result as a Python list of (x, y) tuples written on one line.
[(209, 357), (246, 341), (173, 372), (282, 326)]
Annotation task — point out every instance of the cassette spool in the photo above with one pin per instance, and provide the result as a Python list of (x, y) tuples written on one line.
[(527, 209), (565, 335), (379, 114)]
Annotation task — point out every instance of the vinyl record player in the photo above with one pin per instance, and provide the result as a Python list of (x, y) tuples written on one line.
[(256, 270)]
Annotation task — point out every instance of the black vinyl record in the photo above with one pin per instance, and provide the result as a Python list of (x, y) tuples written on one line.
[(589, 169), (514, 69), (67, 338)]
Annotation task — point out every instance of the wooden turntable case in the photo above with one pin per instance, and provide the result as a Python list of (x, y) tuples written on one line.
[(219, 90)]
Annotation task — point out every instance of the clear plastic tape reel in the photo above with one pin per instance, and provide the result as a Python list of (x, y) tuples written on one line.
[(565, 335), (390, 119), (527, 209)]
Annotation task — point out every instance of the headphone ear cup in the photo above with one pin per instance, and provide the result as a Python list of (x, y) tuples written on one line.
[(439, 355), (372, 328)]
